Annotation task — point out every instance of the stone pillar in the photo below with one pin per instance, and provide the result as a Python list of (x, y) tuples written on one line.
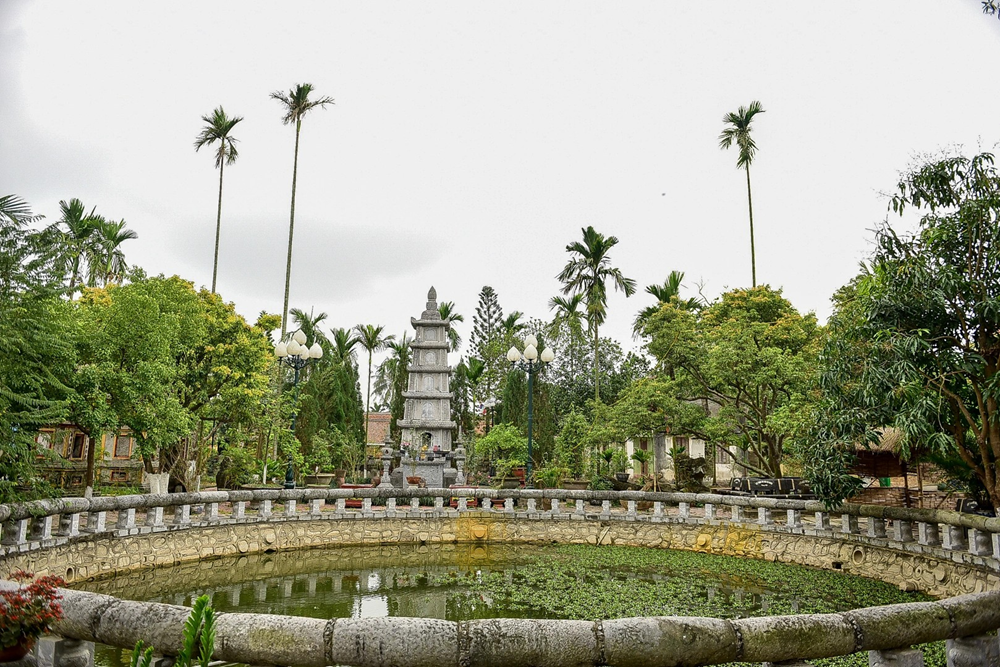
[(927, 534), (414, 504), (849, 524), (822, 521), (69, 524), (290, 507), (341, 505), (53, 651), (630, 508), (793, 518), (579, 507), (390, 506), (764, 516), (532, 506), (900, 657), (96, 522), (605, 507), (239, 509), (487, 504), (264, 511), (684, 510), (182, 515), (463, 503), (212, 512), (459, 458), (954, 538), (154, 517), (902, 531), (977, 651), (555, 507), (658, 510), (736, 514), (42, 528), (876, 527), (709, 512), (366, 505), (979, 543)]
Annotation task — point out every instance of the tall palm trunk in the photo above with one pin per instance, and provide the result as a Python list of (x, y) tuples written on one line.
[(368, 400), (218, 227), (597, 374), (291, 230), (753, 256)]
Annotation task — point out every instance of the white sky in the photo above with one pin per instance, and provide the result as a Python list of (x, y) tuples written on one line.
[(471, 141)]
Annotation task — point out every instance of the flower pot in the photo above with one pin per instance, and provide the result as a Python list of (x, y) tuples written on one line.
[(575, 484), (512, 482), (621, 476), (18, 650)]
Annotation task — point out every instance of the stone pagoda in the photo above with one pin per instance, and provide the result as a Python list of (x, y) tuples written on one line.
[(426, 425)]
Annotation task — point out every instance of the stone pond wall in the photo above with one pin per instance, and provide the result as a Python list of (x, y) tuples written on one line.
[(938, 552)]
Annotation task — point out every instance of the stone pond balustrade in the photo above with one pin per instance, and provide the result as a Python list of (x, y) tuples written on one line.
[(967, 622)]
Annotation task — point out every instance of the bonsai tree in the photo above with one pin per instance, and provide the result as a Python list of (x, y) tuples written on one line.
[(504, 448)]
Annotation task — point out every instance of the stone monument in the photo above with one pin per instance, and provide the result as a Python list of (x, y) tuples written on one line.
[(426, 426)]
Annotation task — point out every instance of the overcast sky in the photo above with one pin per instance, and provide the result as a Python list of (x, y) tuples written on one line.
[(471, 141)]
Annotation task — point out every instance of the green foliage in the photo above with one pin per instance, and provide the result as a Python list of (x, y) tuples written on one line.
[(197, 642), (752, 355), (36, 350), (915, 341), (571, 445), (504, 447), (327, 451)]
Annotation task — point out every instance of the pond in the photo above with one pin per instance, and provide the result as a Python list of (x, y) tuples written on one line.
[(461, 582)]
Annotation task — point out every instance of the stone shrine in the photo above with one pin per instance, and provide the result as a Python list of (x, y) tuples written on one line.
[(426, 425)]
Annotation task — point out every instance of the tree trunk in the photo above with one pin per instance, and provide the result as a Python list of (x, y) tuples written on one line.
[(218, 226), (597, 390), (753, 256), (89, 475), (291, 230)]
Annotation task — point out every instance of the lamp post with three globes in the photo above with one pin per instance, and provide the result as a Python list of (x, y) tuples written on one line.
[(530, 362), (295, 354)]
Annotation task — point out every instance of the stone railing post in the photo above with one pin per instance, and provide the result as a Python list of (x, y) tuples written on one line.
[(976, 651), (928, 534), (414, 504), (182, 515), (508, 505), (605, 507), (96, 522), (211, 512), (41, 528), (555, 507), (463, 503), (899, 657), (154, 517), (264, 510), (69, 524), (579, 511), (736, 514), (709, 512), (291, 507), (954, 538), (876, 527), (793, 518), (532, 506), (902, 531), (849, 524), (979, 543), (822, 521), (52, 651), (390, 506), (126, 519), (684, 510), (366, 505), (239, 509), (764, 516)]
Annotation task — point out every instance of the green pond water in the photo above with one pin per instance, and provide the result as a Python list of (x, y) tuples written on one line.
[(460, 582)]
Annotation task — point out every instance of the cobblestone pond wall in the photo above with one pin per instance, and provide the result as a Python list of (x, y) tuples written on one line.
[(113, 553)]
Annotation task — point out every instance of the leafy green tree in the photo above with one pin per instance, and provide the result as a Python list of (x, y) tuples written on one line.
[(296, 105), (218, 127), (742, 373), (588, 272), (503, 448), (344, 343), (920, 328), (36, 345), (738, 131), (571, 444)]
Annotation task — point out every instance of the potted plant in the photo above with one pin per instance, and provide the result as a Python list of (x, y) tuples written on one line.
[(26, 612)]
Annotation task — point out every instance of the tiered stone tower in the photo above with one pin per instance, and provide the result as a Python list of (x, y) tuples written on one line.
[(427, 411)]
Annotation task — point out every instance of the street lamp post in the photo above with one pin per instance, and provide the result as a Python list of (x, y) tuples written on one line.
[(530, 362), (295, 354)]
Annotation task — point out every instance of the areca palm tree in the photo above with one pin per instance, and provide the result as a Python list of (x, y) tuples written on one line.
[(371, 339), (671, 288), (15, 211), (106, 258), (737, 131), (217, 129), (450, 315), (75, 228), (587, 273), (343, 344), (474, 371), (568, 310), (512, 324), (297, 105)]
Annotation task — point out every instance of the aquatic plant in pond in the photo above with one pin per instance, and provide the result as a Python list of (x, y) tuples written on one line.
[(461, 582)]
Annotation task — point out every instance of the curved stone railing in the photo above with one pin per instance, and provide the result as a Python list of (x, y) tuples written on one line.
[(972, 541)]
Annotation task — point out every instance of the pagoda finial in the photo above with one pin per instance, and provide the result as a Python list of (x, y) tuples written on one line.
[(432, 294)]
